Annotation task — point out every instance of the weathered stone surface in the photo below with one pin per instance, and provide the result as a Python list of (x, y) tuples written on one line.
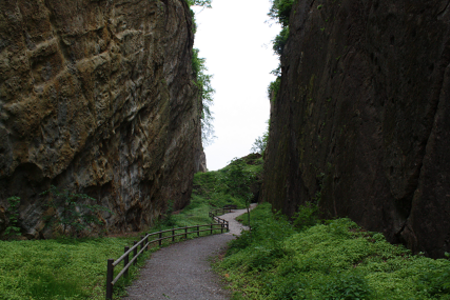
[(361, 121), (98, 97), (202, 163)]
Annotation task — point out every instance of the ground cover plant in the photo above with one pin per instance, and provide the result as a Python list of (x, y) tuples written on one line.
[(329, 260), (230, 185), (71, 268), (64, 268), (75, 268)]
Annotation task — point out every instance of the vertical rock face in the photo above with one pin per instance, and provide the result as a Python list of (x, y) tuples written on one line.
[(361, 122), (97, 97)]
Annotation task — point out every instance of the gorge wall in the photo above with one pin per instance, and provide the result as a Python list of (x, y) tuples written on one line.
[(97, 97), (361, 121)]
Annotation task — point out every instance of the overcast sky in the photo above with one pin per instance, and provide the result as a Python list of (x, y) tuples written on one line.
[(235, 38)]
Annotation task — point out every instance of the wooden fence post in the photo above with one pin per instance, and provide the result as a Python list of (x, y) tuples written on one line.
[(160, 241), (173, 234), (109, 279), (126, 260), (135, 252), (211, 228), (198, 230), (185, 233), (221, 227)]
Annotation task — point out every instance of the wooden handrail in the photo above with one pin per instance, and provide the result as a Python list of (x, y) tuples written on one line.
[(144, 243)]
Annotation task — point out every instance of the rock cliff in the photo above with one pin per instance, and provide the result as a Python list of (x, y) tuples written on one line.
[(361, 121), (97, 97)]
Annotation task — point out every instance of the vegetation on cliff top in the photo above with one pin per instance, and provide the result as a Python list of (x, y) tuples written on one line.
[(335, 259), (280, 12), (203, 81)]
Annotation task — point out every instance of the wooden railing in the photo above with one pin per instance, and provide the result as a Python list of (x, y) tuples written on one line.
[(223, 210), (144, 244)]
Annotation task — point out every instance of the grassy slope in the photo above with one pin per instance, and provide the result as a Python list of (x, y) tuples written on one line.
[(336, 260), (57, 269), (70, 268), (213, 187), (76, 268)]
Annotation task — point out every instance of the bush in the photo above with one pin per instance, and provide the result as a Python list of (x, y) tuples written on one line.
[(273, 88), (281, 10), (13, 228), (346, 286), (72, 210), (334, 260), (281, 41), (306, 216)]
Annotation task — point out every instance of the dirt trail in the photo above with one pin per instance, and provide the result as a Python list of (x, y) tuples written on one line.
[(182, 271)]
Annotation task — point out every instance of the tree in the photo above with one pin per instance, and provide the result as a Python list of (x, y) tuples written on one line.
[(203, 81), (260, 143), (204, 3), (239, 181)]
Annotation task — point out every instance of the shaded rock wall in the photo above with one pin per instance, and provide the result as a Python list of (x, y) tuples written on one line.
[(361, 121), (97, 97)]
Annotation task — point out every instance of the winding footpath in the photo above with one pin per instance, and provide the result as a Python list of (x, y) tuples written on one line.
[(182, 271)]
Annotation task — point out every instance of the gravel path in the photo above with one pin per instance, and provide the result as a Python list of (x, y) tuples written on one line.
[(182, 271)]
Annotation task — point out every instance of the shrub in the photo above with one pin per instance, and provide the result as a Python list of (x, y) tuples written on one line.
[(72, 211), (13, 228), (281, 10), (281, 41), (306, 216), (334, 260), (346, 286)]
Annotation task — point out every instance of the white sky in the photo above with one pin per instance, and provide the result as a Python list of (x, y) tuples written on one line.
[(235, 38)]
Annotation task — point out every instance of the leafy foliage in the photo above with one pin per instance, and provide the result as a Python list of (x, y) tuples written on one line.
[(273, 88), (203, 81), (230, 185), (281, 41), (334, 260), (260, 143), (306, 216), (13, 228), (69, 268), (64, 268), (72, 210), (204, 3), (281, 10)]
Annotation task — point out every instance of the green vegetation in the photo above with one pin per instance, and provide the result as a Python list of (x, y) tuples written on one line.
[(70, 268), (333, 260), (281, 41), (273, 88), (204, 3), (64, 268), (74, 213), (13, 228), (260, 143), (203, 81), (230, 185), (280, 12)]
